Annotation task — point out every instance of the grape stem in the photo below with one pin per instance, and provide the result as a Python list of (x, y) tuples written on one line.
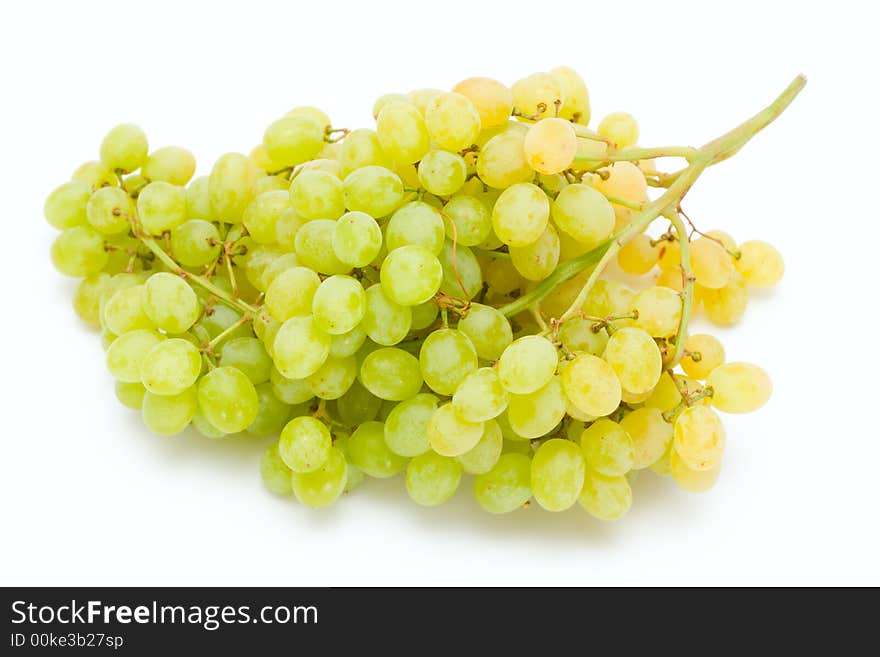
[(687, 288), (633, 154), (712, 153), (225, 333)]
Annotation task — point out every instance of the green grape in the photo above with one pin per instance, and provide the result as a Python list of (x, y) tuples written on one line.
[(354, 477), (557, 474), (323, 486), (483, 456), (300, 347), (314, 247), (699, 438), (536, 414), (124, 312), (368, 452), (550, 145), (460, 268), (130, 395), (290, 391), (274, 268), (361, 149), (170, 302), (198, 202), (220, 318), (347, 344), (608, 448), (584, 214), (333, 378), (170, 367), (446, 358), (262, 214), (411, 275), (402, 133), (538, 95), (168, 415), (272, 413), (65, 207), (385, 322), (576, 98), (468, 220), (124, 148), (502, 161), (384, 100), (357, 239), (391, 374), (317, 195), (739, 387), (108, 210), (591, 385), (703, 353), (449, 435), (231, 187), (95, 175), (195, 243), (291, 293), (442, 173), (760, 264), (492, 100), (406, 427), (271, 184), (421, 98), (452, 121), (432, 479), (116, 283), (228, 399), (274, 471), (635, 358), (659, 311), (357, 405), (527, 364), (520, 214), (480, 396), (488, 330), (339, 304), (424, 314), (373, 189), (87, 299), (621, 128), (249, 356), (665, 395), (693, 481), (507, 486), (161, 206), (536, 261), (305, 444), (725, 306), (317, 115), (577, 336), (650, 433), (171, 164), (79, 252), (415, 223), (605, 498), (608, 298), (205, 428), (292, 140)]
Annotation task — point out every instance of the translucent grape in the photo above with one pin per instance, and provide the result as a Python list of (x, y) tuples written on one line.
[(406, 427), (591, 385), (195, 243), (739, 387), (461, 271), (452, 121), (357, 405), (248, 355), (228, 399), (550, 145), (124, 148), (411, 275), (711, 263), (480, 396), (442, 173), (161, 206), (446, 358), (292, 140), (621, 128), (305, 444), (108, 210), (625, 180), (416, 223), (693, 481), (87, 299), (576, 98), (659, 311), (421, 98), (262, 214), (391, 374), (170, 302), (449, 435), (467, 221), (96, 175), (385, 322), (577, 335), (290, 391), (432, 479), (699, 438), (650, 433), (339, 304), (665, 395), (538, 95), (220, 318), (323, 486), (317, 195), (274, 471), (315, 114), (79, 252), (170, 164), (170, 367), (605, 498), (536, 414), (368, 452), (65, 207), (520, 214), (198, 201), (124, 311), (300, 347), (557, 474), (168, 415), (402, 133), (314, 247), (760, 264), (502, 161), (357, 239), (492, 100), (635, 358), (361, 149), (130, 395), (231, 187), (272, 413), (386, 99), (584, 214), (506, 487), (483, 456), (669, 257), (488, 330), (127, 353), (373, 189), (638, 256), (347, 344), (608, 448), (527, 364), (424, 314), (536, 261), (291, 293), (725, 306), (711, 355)]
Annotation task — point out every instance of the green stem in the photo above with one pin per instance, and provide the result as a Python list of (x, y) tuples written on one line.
[(634, 154), (687, 291), (225, 333)]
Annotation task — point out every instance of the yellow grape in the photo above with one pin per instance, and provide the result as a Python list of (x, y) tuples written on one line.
[(711, 355), (699, 438), (625, 181), (502, 161), (536, 261), (550, 145), (576, 98), (606, 498), (693, 481), (621, 128), (760, 264), (710, 263), (538, 95), (669, 256), (651, 434), (635, 358), (638, 256), (725, 306), (659, 310), (739, 387), (452, 121), (492, 100), (591, 385)]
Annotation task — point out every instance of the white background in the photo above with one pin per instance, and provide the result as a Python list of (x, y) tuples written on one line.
[(90, 497)]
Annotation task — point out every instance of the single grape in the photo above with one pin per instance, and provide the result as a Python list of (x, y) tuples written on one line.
[(538, 95), (272, 413), (316, 194), (424, 314), (638, 256), (621, 128), (665, 395), (693, 481), (385, 322), (605, 498), (421, 98), (483, 456), (368, 452), (334, 377), (292, 140), (635, 358), (305, 444), (406, 427), (339, 304), (415, 223), (502, 160), (124, 148), (170, 302), (402, 132), (290, 391), (725, 306), (374, 190), (711, 264), (108, 211), (79, 252), (361, 149), (411, 275), (452, 121), (739, 387), (323, 486), (608, 448), (577, 335), (130, 395), (292, 293), (87, 299), (262, 214), (550, 145), (536, 261), (537, 413), (170, 164), (492, 100), (168, 415), (480, 396), (592, 385), (467, 220), (386, 99), (659, 311), (357, 405), (699, 438), (527, 364), (300, 347), (446, 358), (66, 205), (274, 471), (357, 239), (650, 433), (170, 367), (461, 271), (391, 374), (227, 399), (584, 214), (274, 268), (488, 330), (314, 247), (449, 435), (576, 98), (507, 486), (442, 173), (347, 344), (231, 187), (432, 479), (557, 474), (127, 352), (195, 243), (760, 264), (96, 175), (624, 180), (161, 206), (124, 311), (248, 355), (703, 353), (520, 214)]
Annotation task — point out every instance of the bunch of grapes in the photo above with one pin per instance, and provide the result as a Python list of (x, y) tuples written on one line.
[(428, 297)]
